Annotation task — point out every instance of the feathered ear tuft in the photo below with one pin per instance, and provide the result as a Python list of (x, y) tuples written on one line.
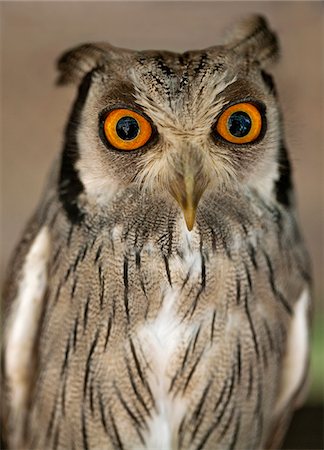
[(74, 64), (253, 38)]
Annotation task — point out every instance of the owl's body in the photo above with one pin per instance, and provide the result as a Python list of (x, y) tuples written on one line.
[(126, 329)]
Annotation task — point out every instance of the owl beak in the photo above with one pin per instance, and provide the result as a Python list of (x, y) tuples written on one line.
[(184, 194), (187, 188), (190, 216)]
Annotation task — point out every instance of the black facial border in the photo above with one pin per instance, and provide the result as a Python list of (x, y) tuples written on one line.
[(261, 108), (102, 117)]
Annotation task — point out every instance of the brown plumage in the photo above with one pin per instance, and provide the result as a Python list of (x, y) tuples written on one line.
[(123, 328)]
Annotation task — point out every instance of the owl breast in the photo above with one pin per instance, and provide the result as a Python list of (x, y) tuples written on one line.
[(156, 337)]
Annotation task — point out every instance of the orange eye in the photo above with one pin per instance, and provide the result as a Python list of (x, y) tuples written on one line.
[(240, 123), (126, 130)]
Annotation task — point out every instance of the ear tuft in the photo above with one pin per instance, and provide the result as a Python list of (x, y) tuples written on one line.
[(74, 64), (253, 38)]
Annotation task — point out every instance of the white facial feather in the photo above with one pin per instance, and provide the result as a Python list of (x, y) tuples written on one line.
[(99, 186)]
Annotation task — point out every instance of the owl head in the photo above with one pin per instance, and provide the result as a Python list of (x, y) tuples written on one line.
[(181, 126)]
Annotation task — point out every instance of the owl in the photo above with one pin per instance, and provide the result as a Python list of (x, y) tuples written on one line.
[(160, 296)]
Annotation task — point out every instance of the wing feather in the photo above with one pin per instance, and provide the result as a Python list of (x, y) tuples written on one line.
[(294, 370), (21, 328)]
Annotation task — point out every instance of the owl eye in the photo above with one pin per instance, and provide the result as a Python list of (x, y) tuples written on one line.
[(126, 130), (240, 123)]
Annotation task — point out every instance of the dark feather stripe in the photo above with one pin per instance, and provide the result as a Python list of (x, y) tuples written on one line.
[(185, 357), (56, 256), (228, 397), (74, 285), (174, 379), (221, 396), (206, 436), (63, 395), (75, 333), (284, 186), (83, 253), (269, 82), (192, 371), (137, 422), (251, 325), (98, 253), (274, 289), (88, 363), (91, 396), (185, 281), (70, 185), (238, 290), (128, 409), (101, 286), (196, 339), (202, 64), (183, 365), (138, 259), (68, 273), (167, 269), (102, 412), (201, 289), (125, 278), (70, 234), (181, 432), (109, 326), (136, 390), (251, 251), (118, 442), (85, 438), (138, 263), (213, 238), (212, 327), (248, 276), (140, 372), (197, 414), (85, 313), (250, 381), (137, 363), (66, 355), (236, 433), (227, 424), (197, 425), (80, 257)]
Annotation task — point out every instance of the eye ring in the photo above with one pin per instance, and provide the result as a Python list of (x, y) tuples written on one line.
[(240, 123), (125, 129)]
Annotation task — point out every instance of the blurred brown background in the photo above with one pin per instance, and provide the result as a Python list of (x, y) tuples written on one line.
[(34, 110)]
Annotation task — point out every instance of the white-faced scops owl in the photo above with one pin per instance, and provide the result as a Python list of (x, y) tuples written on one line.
[(159, 298)]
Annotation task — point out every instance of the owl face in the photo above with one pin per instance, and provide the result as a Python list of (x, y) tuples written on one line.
[(181, 126)]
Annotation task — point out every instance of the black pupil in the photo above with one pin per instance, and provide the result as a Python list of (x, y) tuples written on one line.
[(127, 128), (239, 124)]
